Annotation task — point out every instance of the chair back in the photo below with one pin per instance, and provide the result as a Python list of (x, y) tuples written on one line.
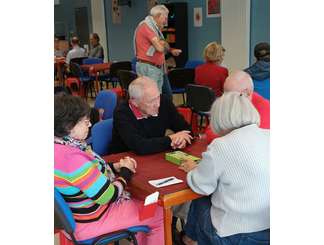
[(121, 65), (125, 78), (76, 70), (74, 85), (65, 217), (262, 88), (134, 60), (101, 134), (91, 61), (200, 98), (193, 63), (181, 77), (63, 213), (106, 100), (78, 60)]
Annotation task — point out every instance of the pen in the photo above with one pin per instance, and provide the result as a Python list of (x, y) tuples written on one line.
[(165, 181)]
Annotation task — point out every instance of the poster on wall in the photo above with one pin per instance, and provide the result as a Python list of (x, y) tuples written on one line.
[(151, 4), (213, 8), (197, 17), (116, 12)]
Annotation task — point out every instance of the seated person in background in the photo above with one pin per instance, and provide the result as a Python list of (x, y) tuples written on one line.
[(241, 82), (233, 175), (89, 185), (96, 50), (140, 124), (57, 51), (212, 74), (260, 70), (76, 51)]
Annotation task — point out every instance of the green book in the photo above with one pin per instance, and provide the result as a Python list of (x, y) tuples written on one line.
[(177, 157)]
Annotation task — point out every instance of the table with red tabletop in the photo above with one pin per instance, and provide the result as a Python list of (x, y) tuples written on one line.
[(95, 69), (150, 167)]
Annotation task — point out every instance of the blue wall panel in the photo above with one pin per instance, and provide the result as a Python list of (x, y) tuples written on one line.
[(64, 16), (260, 24)]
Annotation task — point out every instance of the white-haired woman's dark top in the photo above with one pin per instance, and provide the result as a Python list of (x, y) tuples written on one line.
[(235, 172)]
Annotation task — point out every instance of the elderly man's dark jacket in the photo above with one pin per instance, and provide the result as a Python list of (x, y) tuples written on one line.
[(145, 136)]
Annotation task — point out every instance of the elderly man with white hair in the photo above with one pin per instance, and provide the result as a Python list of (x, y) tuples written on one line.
[(233, 175), (241, 82), (140, 124), (150, 46)]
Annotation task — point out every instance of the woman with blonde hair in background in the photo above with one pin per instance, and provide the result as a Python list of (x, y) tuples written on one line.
[(212, 74)]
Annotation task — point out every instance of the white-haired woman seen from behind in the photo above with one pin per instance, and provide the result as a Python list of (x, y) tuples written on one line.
[(233, 175)]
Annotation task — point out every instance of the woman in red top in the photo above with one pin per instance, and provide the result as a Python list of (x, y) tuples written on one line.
[(211, 74)]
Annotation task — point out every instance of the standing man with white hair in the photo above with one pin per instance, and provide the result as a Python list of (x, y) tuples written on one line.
[(150, 46), (140, 124), (233, 175)]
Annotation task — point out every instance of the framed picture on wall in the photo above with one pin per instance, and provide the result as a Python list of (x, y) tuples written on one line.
[(197, 17), (213, 8)]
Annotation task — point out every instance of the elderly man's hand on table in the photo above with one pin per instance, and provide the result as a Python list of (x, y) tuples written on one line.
[(180, 139)]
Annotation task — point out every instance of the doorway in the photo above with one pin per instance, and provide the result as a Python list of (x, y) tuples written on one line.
[(82, 25)]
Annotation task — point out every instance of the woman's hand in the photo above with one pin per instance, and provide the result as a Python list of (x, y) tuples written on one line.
[(188, 165), (126, 162)]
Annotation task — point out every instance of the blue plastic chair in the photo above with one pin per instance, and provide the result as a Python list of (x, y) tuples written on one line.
[(262, 88), (193, 63), (64, 214), (106, 100), (91, 61), (101, 134)]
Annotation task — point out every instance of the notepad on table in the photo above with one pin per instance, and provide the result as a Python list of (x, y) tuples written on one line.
[(165, 181)]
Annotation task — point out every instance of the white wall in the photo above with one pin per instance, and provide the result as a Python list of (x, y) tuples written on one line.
[(98, 23), (235, 29)]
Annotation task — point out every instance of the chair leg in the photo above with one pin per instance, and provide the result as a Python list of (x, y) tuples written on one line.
[(86, 91), (184, 99), (182, 223), (194, 123), (132, 235), (201, 122)]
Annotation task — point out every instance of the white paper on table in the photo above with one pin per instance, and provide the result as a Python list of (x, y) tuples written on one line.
[(152, 198), (156, 182)]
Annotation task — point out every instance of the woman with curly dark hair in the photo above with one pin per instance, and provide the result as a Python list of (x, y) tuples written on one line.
[(96, 197)]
